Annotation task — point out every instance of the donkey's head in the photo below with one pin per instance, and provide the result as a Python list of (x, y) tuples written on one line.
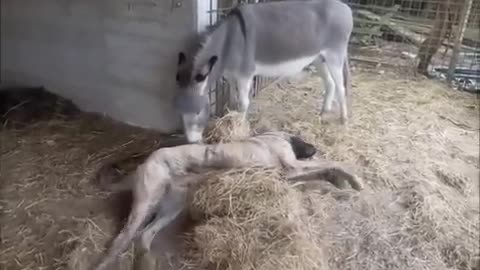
[(192, 100)]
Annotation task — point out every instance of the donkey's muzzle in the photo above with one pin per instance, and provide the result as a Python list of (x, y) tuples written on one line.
[(192, 104)]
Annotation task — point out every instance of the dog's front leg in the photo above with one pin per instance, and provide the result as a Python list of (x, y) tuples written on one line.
[(300, 170)]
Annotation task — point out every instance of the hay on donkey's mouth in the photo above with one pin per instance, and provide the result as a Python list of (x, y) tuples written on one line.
[(232, 126)]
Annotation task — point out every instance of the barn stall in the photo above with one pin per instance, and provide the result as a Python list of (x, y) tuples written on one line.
[(414, 140)]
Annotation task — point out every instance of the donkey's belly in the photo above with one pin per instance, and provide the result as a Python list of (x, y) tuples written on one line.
[(286, 68)]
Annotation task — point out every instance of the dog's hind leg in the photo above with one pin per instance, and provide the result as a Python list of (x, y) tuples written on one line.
[(140, 211), (168, 210), (146, 196)]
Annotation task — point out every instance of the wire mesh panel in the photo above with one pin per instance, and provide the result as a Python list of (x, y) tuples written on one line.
[(432, 37), (439, 38)]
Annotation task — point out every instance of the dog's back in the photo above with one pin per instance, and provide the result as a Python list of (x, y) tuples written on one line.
[(267, 149)]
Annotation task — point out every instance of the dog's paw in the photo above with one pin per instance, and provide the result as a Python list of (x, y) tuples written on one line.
[(356, 183)]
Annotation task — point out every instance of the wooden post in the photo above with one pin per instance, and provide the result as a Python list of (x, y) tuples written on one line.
[(462, 25), (433, 42)]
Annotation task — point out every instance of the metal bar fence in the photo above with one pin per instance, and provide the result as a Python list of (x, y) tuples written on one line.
[(412, 36)]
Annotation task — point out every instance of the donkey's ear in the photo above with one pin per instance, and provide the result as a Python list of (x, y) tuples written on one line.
[(211, 62), (181, 58)]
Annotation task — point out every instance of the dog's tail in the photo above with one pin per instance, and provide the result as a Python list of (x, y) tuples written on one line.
[(301, 148)]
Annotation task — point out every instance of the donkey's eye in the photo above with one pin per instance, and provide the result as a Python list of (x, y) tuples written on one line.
[(199, 78)]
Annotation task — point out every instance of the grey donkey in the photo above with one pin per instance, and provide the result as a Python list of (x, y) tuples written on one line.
[(273, 39), (164, 184)]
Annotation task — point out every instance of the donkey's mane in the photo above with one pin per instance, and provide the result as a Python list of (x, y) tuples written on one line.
[(205, 35)]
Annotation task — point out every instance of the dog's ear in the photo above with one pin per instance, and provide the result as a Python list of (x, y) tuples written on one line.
[(181, 58)]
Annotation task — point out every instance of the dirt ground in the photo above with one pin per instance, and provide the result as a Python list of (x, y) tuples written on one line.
[(52, 214)]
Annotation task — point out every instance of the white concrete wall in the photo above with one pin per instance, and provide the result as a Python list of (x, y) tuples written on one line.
[(109, 56)]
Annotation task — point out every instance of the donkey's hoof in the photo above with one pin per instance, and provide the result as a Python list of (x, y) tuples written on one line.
[(326, 117)]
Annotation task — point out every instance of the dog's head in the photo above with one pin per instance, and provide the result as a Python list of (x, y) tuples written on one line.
[(301, 148)]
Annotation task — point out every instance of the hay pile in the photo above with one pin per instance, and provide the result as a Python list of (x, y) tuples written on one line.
[(253, 220)]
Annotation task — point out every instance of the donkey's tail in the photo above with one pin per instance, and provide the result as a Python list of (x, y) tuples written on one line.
[(347, 83)]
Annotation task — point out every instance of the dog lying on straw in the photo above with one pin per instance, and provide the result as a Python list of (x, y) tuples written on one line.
[(163, 184)]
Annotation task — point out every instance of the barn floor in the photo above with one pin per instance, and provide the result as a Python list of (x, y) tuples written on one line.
[(53, 217)]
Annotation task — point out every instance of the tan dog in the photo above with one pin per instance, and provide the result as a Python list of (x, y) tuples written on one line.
[(162, 184)]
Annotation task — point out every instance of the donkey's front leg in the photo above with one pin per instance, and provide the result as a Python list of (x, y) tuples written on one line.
[(328, 83), (243, 87), (232, 91)]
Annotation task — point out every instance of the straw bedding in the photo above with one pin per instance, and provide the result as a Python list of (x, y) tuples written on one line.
[(416, 145)]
